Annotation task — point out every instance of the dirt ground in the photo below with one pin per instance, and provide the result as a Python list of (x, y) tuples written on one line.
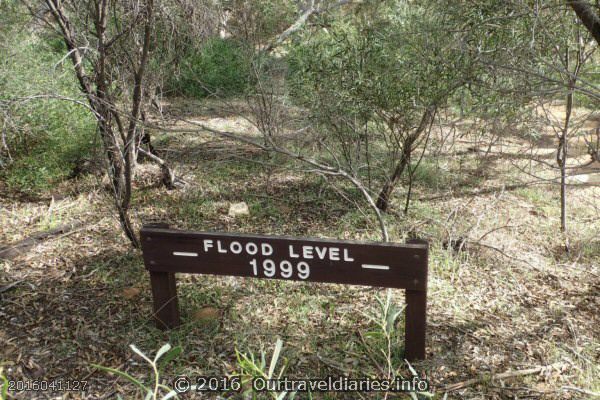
[(511, 313)]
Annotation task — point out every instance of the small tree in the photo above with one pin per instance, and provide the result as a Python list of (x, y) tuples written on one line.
[(109, 45), (523, 55), (374, 80), (564, 66)]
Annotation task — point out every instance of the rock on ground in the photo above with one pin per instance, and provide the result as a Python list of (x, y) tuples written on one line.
[(238, 209)]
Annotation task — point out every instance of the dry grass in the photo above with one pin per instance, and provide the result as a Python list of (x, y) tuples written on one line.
[(511, 299)]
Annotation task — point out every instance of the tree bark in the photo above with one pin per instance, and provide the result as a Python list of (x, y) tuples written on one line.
[(138, 94), (383, 199), (301, 21), (562, 157), (586, 14)]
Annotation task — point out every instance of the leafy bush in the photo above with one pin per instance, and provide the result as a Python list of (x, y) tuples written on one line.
[(45, 138), (221, 67), (368, 82), (56, 154), (259, 21)]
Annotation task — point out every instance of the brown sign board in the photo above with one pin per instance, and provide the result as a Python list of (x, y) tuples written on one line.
[(389, 265)]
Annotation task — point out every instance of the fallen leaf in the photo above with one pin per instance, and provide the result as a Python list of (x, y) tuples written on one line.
[(206, 314), (130, 293)]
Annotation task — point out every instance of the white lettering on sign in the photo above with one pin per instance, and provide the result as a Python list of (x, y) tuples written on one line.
[(306, 252), (334, 254), (291, 267), (322, 253), (292, 254), (285, 269), (267, 249), (236, 247), (251, 248)]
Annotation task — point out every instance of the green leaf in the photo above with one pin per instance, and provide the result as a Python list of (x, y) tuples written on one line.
[(171, 355), (275, 357), (165, 348), (139, 353), (410, 367), (281, 395), (170, 395), (4, 393)]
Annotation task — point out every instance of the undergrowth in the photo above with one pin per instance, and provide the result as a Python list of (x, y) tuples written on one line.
[(46, 138)]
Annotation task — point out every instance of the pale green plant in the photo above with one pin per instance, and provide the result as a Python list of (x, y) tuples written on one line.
[(156, 390), (3, 385), (252, 366), (386, 320)]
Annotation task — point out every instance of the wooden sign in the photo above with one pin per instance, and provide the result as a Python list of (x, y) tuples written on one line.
[(167, 252)]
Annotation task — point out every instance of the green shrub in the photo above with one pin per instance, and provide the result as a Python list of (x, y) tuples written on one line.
[(221, 67), (46, 138), (61, 145), (429, 174)]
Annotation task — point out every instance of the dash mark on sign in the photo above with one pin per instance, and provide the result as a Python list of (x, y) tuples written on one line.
[(375, 266), (185, 254)]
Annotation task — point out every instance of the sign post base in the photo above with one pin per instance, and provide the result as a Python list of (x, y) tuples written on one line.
[(415, 324), (164, 294)]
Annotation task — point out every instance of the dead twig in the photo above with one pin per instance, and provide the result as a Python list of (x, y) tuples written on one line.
[(369, 353), (505, 375), (579, 390), (12, 251), (6, 288), (169, 178), (333, 364)]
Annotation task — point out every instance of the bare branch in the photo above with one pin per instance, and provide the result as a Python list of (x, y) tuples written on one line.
[(301, 21)]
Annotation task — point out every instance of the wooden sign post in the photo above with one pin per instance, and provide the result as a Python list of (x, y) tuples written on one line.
[(168, 251)]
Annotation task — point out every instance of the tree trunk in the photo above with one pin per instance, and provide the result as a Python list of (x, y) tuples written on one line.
[(136, 107), (562, 157), (383, 200), (118, 159), (586, 14)]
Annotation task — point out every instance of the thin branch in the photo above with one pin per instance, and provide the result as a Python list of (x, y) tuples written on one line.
[(504, 375), (301, 21)]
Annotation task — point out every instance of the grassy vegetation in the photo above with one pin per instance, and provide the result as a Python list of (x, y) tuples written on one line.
[(507, 290), (46, 138), (219, 68), (484, 306)]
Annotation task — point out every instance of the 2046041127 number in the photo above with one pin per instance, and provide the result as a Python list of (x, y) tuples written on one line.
[(285, 269)]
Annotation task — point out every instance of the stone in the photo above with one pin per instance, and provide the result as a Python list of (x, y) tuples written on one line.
[(238, 209)]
